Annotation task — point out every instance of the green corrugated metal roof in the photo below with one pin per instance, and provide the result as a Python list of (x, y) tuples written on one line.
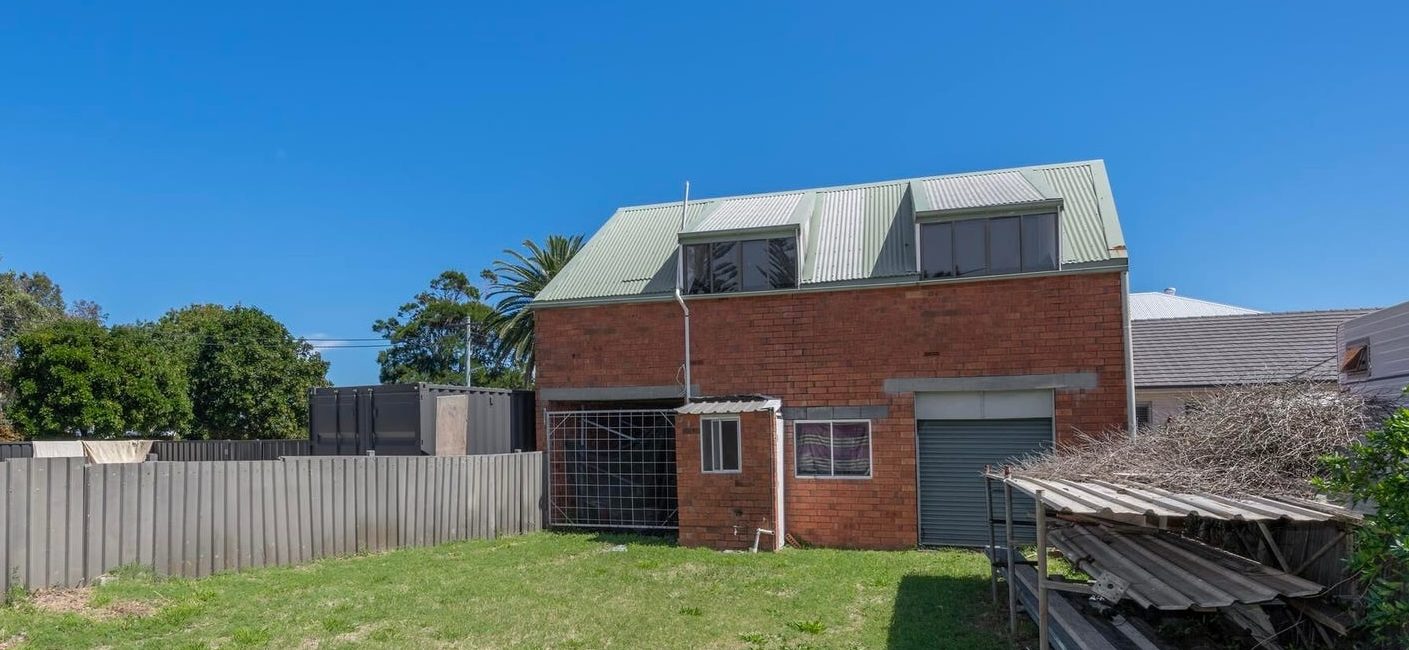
[(850, 234)]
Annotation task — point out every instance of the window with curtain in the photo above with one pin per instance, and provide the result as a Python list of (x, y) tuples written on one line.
[(832, 449)]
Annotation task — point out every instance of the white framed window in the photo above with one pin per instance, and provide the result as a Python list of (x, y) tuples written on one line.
[(721, 446), (832, 448)]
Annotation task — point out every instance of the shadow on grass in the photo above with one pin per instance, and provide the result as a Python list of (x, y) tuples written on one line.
[(631, 537), (943, 612)]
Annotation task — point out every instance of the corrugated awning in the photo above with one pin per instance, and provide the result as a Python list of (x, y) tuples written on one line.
[(1103, 498), (726, 405), (1170, 572)]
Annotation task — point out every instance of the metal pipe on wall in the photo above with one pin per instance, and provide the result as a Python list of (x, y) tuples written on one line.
[(679, 278), (1043, 642), (992, 537), (1008, 550), (1130, 421)]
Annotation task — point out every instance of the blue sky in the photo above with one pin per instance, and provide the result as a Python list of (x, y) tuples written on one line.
[(324, 162)]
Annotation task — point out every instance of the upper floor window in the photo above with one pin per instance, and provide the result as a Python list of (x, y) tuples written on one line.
[(749, 265), (988, 246)]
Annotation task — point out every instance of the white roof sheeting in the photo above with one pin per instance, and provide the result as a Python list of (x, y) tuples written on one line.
[(1147, 305), (1102, 498), (724, 406)]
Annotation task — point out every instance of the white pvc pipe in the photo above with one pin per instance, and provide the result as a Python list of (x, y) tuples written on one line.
[(679, 277)]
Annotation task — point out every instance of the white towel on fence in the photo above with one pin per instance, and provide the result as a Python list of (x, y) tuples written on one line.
[(103, 452), (58, 448)]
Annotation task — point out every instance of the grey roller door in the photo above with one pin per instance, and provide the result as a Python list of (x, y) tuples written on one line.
[(952, 454)]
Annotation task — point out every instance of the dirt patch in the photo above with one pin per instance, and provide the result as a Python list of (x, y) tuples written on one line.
[(356, 635), (62, 601), (12, 642), (79, 601)]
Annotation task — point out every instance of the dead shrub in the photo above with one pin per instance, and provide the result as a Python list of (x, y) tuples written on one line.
[(1264, 440)]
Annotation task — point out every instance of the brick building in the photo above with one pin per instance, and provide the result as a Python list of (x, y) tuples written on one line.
[(856, 355)]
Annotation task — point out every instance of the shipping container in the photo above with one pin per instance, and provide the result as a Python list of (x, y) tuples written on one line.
[(420, 420)]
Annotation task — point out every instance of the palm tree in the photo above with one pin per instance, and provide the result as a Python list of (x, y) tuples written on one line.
[(515, 282)]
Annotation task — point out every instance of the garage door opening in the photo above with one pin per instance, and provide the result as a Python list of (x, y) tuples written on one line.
[(957, 435), (612, 469)]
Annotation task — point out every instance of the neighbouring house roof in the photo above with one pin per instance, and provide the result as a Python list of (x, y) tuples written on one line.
[(851, 234), (1165, 304), (1237, 349)]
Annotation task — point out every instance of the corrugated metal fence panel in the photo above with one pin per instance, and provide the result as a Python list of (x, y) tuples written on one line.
[(44, 520), (16, 450), (66, 522), (952, 455), (208, 450)]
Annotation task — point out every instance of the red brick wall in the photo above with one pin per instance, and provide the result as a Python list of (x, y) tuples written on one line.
[(836, 348), (723, 510)]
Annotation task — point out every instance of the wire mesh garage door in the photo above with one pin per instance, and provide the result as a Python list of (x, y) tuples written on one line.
[(612, 469)]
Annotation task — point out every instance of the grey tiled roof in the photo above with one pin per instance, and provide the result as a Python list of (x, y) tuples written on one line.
[(1237, 349)]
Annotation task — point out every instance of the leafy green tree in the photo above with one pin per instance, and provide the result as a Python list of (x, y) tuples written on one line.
[(1376, 471), (427, 337), (74, 376), (32, 299), (249, 377), (29, 300), (515, 282)]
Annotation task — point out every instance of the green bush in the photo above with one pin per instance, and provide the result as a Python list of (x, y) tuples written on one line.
[(1376, 471)]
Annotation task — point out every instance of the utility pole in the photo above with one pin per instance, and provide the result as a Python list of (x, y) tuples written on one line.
[(469, 353)]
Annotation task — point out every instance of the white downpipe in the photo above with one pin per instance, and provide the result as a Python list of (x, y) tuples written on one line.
[(679, 277), (1129, 355)]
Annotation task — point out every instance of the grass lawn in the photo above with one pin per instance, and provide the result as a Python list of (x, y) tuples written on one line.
[(545, 590)]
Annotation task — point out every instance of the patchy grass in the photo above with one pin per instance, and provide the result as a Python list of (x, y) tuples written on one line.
[(544, 590)]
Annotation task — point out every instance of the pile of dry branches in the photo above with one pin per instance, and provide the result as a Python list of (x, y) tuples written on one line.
[(1262, 440)]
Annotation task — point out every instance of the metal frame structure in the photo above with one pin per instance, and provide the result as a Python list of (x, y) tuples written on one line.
[(612, 469)]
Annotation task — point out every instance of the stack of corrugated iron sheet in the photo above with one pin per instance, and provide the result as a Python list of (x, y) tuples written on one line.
[(1170, 572)]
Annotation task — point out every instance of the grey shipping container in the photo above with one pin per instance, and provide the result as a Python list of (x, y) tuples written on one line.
[(16, 450), (400, 420)]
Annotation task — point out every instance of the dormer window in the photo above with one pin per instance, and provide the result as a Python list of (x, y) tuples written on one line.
[(988, 246), (747, 265)]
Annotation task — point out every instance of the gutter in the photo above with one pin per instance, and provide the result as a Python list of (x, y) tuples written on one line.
[(908, 280)]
